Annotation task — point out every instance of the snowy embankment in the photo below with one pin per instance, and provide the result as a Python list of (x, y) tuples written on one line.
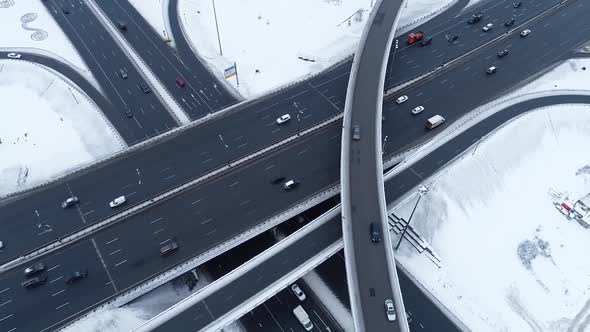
[(510, 260), (46, 127), (26, 25), (274, 42)]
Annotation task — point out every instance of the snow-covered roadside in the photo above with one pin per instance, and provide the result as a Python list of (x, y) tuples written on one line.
[(28, 25), (47, 127), (156, 13), (276, 42), (510, 260), (330, 301)]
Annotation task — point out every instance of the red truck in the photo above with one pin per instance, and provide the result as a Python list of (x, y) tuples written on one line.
[(415, 37)]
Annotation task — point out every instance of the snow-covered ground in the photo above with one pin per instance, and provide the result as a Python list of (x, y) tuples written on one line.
[(269, 40), (26, 25), (46, 126), (330, 301), (510, 260)]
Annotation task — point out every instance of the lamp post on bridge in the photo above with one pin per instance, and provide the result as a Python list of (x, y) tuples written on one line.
[(421, 191)]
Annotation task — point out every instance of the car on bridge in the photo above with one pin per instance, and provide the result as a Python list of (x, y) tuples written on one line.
[(417, 110), (525, 32), (13, 55), (298, 292), (401, 99), (390, 310), (502, 53), (168, 248), (375, 232), (488, 27)]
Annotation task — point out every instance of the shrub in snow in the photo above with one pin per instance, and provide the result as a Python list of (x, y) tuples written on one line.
[(529, 250)]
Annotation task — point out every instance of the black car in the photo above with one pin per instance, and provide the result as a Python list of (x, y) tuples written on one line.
[(502, 53), (375, 232), (75, 276), (66, 11), (517, 4), (509, 22), (475, 18), (128, 113), (35, 268), (144, 87), (426, 41), (168, 248), (34, 281), (452, 38)]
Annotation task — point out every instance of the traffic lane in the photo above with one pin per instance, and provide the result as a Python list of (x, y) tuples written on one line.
[(412, 60), (316, 309), (87, 35), (148, 178), (139, 175), (28, 224), (450, 86), (200, 84), (260, 277), (55, 300), (208, 214)]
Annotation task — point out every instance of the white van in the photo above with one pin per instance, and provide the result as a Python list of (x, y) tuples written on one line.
[(434, 122), (303, 317)]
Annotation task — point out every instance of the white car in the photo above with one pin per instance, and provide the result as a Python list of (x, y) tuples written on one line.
[(390, 310), (418, 110), (298, 292), (117, 201), (401, 99), (284, 118), (525, 33), (1, 244), (14, 55), (488, 27)]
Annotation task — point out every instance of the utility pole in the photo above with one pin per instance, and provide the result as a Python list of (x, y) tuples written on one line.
[(421, 191), (217, 27)]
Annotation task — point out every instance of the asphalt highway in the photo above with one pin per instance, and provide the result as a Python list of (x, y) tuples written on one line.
[(260, 277), (527, 56), (104, 58), (159, 167), (178, 159), (372, 281), (202, 93), (120, 262)]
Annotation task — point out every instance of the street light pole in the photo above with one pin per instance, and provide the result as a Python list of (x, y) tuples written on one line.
[(217, 27), (298, 123), (422, 190)]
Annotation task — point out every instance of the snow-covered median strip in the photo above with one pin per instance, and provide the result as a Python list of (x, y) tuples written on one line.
[(47, 127)]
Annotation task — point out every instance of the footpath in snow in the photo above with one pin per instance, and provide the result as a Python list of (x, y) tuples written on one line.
[(46, 127), (274, 42), (510, 260)]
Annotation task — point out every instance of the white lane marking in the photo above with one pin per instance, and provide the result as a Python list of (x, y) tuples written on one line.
[(56, 279), (1, 304), (61, 306), (4, 290), (156, 220), (114, 252), (121, 262), (158, 231), (61, 291), (206, 221), (5, 318), (53, 268), (113, 240), (197, 201)]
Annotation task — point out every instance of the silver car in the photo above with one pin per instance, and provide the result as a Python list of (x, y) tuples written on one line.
[(298, 292), (390, 310), (117, 201), (418, 110)]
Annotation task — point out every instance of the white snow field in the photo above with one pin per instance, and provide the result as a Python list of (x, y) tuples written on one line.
[(510, 260), (27, 25), (46, 127), (276, 36), (156, 13)]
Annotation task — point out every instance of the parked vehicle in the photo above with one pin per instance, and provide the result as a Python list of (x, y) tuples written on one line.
[(122, 25), (1, 244), (123, 73), (144, 87), (415, 37), (452, 38), (434, 121), (303, 317), (517, 4)]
